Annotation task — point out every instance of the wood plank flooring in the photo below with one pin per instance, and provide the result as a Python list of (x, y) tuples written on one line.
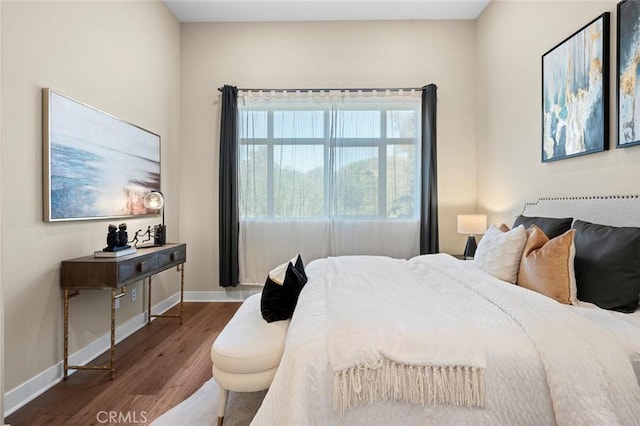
[(156, 368)]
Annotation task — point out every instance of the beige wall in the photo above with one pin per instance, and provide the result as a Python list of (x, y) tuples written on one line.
[(322, 55), (512, 37), (120, 57), (1, 286)]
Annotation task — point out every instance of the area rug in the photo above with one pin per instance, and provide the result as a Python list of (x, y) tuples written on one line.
[(200, 409)]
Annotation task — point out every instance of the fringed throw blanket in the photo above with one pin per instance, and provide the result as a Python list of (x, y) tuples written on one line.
[(421, 353)]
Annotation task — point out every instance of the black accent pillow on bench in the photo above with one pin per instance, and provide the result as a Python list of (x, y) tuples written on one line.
[(279, 299), (607, 265), (551, 226)]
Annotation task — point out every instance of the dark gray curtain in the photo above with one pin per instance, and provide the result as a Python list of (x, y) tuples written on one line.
[(429, 173), (228, 193)]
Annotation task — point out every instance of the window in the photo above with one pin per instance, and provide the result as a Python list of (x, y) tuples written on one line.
[(315, 156)]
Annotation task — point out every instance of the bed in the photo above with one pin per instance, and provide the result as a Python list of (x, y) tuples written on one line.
[(480, 351)]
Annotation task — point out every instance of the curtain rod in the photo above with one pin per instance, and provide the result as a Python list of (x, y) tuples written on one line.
[(334, 90)]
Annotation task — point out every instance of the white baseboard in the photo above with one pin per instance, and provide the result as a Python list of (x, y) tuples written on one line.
[(34, 387), (235, 295)]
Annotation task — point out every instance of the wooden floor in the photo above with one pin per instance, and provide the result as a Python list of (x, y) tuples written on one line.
[(156, 368)]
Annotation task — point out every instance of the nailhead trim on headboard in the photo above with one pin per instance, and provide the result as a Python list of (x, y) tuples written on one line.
[(616, 210)]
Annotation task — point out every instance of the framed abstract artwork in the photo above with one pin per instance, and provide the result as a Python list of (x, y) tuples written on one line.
[(95, 166), (575, 93), (628, 74)]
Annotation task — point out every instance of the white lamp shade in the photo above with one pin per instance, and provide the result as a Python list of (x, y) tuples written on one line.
[(472, 224)]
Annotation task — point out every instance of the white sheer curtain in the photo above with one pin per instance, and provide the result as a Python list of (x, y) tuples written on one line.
[(326, 174)]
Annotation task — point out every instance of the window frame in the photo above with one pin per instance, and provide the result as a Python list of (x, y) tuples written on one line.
[(382, 143)]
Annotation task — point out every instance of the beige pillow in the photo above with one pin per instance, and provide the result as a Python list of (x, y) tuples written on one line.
[(504, 227), (547, 265)]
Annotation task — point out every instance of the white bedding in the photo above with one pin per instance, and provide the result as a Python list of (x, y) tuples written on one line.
[(625, 328), (545, 364), (378, 355)]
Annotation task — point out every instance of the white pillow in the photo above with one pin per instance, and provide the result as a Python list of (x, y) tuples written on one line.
[(277, 274), (499, 252)]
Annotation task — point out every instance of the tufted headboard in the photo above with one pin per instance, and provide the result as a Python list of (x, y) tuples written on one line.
[(614, 210)]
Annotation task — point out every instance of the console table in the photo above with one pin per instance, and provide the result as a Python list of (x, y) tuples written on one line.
[(115, 273)]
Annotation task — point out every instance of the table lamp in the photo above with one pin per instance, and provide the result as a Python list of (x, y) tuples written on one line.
[(472, 225), (155, 200)]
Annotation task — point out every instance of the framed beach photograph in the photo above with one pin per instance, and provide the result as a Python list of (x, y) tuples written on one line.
[(575, 93), (628, 74), (95, 166)]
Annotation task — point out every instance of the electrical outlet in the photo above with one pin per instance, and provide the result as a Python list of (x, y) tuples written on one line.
[(117, 303), (133, 295)]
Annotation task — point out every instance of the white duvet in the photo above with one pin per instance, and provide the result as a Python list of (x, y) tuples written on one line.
[(378, 355), (545, 364)]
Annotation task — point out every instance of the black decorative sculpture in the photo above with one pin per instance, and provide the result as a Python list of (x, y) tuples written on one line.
[(112, 238), (122, 234), (157, 233), (160, 234), (117, 238)]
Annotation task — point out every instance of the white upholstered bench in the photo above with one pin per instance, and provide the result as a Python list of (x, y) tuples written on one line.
[(247, 352)]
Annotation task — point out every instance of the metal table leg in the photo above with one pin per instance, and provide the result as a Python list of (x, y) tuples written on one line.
[(180, 269), (149, 300), (65, 367), (112, 350), (112, 364)]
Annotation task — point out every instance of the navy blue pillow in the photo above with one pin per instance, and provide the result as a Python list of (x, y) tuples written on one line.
[(551, 226), (279, 300), (607, 265)]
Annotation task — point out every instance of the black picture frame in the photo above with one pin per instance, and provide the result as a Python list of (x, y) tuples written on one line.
[(628, 79), (575, 93)]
